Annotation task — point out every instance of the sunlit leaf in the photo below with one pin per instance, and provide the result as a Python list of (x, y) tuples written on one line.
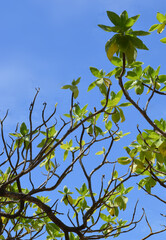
[(124, 160), (161, 28), (163, 40), (154, 27), (160, 17), (23, 129), (162, 149)]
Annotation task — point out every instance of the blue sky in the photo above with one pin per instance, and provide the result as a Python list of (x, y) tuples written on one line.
[(47, 44)]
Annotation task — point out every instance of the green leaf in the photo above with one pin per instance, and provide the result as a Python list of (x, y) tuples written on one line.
[(65, 155), (99, 153), (132, 75), (115, 101), (108, 125), (142, 183), (124, 160), (139, 88), (97, 73), (108, 28), (65, 189), (43, 163), (163, 89), (115, 116), (71, 236), (131, 53), (124, 17), (114, 18), (73, 88), (18, 143), (118, 72), (91, 86), (116, 61), (161, 28), (123, 42), (163, 40), (23, 129), (52, 132), (71, 143), (154, 27), (130, 22), (77, 81), (111, 48), (121, 202), (128, 190), (140, 33), (83, 190), (15, 135), (138, 43), (53, 230), (162, 78), (90, 130), (157, 71), (103, 217), (129, 84), (67, 115), (41, 144), (150, 183), (99, 82), (125, 104), (119, 94), (160, 17), (107, 82), (103, 89), (121, 115), (66, 87), (162, 149), (98, 131), (115, 174), (75, 92)]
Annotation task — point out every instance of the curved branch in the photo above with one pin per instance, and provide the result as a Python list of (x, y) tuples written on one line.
[(143, 112)]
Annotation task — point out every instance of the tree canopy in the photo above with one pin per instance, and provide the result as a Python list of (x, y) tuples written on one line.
[(82, 190)]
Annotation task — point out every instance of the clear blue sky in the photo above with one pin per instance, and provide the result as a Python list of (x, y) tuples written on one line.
[(48, 43)]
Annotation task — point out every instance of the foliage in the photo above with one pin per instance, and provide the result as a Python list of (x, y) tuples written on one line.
[(86, 211)]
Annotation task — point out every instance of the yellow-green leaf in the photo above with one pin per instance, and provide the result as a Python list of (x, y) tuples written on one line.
[(113, 48), (162, 149), (161, 28)]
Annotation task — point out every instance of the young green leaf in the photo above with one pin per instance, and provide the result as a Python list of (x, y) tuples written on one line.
[(124, 160), (160, 17), (23, 129), (116, 61), (65, 155), (163, 40), (97, 73), (130, 22), (115, 116), (161, 28), (108, 125), (91, 86), (66, 87), (154, 27), (121, 115)]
